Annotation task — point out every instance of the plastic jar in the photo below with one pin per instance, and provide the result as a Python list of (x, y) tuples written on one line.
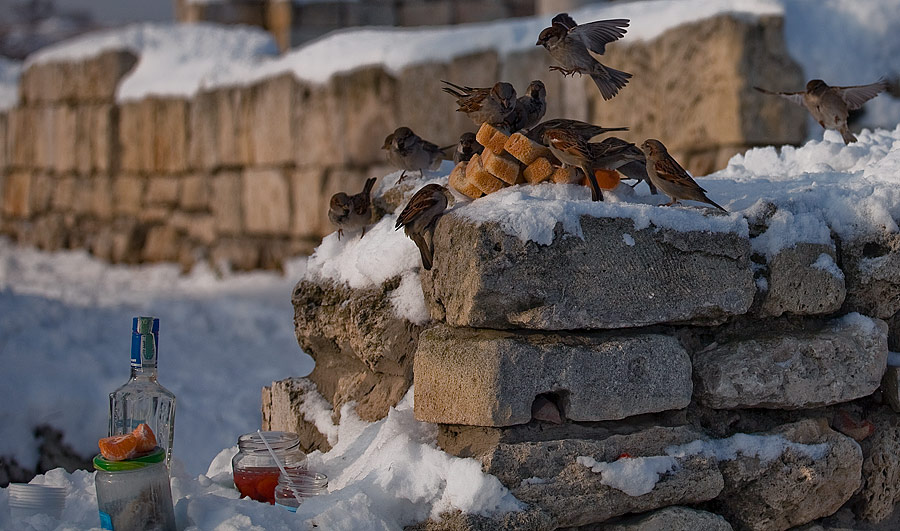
[(135, 493), (255, 472), (291, 490)]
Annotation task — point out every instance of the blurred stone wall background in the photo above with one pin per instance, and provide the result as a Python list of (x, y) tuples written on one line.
[(242, 174)]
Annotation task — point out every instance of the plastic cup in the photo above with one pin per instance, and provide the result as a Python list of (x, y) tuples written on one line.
[(26, 500)]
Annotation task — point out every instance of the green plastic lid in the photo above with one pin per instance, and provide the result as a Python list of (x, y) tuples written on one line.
[(156, 456)]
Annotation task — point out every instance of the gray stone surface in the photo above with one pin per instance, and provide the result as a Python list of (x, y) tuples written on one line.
[(363, 351), (574, 495), (669, 519), (890, 388), (530, 519), (483, 277), (794, 488), (881, 475), (282, 410), (872, 268), (797, 286), (491, 378), (841, 360)]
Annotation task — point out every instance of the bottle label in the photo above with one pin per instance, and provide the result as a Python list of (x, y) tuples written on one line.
[(144, 342)]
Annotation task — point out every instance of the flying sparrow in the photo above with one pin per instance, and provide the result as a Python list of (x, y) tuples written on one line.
[(574, 150), (530, 108), (485, 105), (466, 147), (831, 105), (584, 130), (352, 212), (409, 152), (419, 216), (670, 177), (571, 45)]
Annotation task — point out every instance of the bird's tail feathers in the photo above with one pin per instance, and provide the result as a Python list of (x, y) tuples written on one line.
[(367, 188), (847, 136), (424, 250), (609, 81)]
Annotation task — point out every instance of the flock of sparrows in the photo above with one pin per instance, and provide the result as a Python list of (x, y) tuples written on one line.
[(575, 47)]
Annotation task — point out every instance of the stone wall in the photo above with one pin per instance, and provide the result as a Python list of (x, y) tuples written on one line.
[(241, 175)]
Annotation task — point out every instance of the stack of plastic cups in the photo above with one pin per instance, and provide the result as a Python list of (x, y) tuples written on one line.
[(27, 500)]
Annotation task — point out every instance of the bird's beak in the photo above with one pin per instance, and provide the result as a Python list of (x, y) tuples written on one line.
[(538, 43)]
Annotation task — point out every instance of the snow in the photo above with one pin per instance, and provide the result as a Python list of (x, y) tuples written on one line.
[(9, 82), (628, 239), (826, 263)]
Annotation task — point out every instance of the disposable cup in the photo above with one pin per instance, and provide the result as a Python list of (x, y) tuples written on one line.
[(27, 500)]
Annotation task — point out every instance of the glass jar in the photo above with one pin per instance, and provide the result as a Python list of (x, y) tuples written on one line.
[(135, 493), (255, 472), (300, 484)]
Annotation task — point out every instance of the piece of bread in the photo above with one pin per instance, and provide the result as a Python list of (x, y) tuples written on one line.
[(566, 175), (461, 184), (491, 138), (538, 171), (502, 166), (525, 149), (477, 175)]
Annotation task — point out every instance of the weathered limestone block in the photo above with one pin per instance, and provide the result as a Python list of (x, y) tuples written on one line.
[(162, 190), (92, 80), (65, 138), (363, 350), (101, 199), (101, 134), (673, 518), (284, 408), (803, 280), (318, 140), (367, 107), (234, 125), (16, 194), (530, 519), (839, 361), (271, 127), (483, 277), (872, 269), (574, 495), (100, 75), (426, 110), (226, 204), (4, 139), (41, 192), (21, 133), (881, 475), (169, 135), (794, 488), (890, 388), (196, 226), (64, 194), (128, 191), (45, 151), (235, 254), (307, 202), (203, 131), (266, 202), (195, 192), (161, 245), (491, 378), (51, 82), (136, 135)]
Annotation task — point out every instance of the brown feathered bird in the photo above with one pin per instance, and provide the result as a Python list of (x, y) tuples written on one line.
[(582, 129), (830, 106), (574, 150), (419, 216), (571, 45), (409, 152), (352, 212), (466, 147), (492, 105), (670, 178), (530, 108)]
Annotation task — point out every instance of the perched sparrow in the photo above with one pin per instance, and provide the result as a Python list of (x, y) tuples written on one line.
[(831, 105), (409, 152), (637, 170), (584, 130), (352, 212), (571, 44), (574, 150), (485, 105), (670, 177), (419, 216), (529, 108), (466, 147)]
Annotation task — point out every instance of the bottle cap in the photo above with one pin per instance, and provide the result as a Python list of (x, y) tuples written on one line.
[(144, 341)]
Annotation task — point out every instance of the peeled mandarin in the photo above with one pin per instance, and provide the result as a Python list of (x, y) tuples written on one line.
[(606, 179), (118, 447), (146, 438)]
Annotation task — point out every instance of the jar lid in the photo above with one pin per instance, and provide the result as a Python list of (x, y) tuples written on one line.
[(156, 456), (278, 440)]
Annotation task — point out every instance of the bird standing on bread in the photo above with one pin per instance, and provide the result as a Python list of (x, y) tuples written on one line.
[(584, 130), (574, 150), (493, 105), (669, 177), (466, 147), (419, 216), (571, 45), (530, 108), (830, 106), (352, 212), (409, 152)]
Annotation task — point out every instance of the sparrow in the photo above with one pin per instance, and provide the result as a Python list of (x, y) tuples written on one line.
[(582, 129), (485, 105), (530, 108), (419, 216), (466, 147), (571, 45), (670, 177), (573, 150), (352, 212), (633, 169), (409, 152), (831, 105)]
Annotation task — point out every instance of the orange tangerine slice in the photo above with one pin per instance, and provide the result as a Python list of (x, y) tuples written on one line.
[(146, 438), (118, 447), (606, 179)]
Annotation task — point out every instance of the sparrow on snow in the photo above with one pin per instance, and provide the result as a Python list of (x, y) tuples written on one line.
[(419, 216), (670, 178), (352, 212), (409, 152)]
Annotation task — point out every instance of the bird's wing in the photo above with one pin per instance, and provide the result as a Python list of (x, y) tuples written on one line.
[(420, 202), (596, 35), (571, 143), (564, 20), (796, 97), (856, 95), (668, 168), (473, 101)]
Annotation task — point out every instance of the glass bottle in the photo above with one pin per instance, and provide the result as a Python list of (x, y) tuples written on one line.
[(142, 399), (255, 472)]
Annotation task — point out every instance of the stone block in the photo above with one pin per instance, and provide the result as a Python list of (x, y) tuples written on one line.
[(16, 194), (794, 368), (203, 128), (881, 475), (367, 108), (4, 139), (41, 192), (128, 193), (796, 487), (170, 128), (195, 192), (225, 202), (484, 277), (234, 254), (320, 14), (44, 83), (431, 13), (44, 137), (83, 200), (21, 133), (65, 138), (803, 280), (426, 110), (871, 267), (363, 349), (673, 518), (307, 203), (101, 197), (890, 388), (369, 14), (234, 123), (162, 244), (50, 232), (99, 76), (266, 202), (135, 137), (318, 139), (162, 190), (271, 127), (64, 194), (468, 11), (284, 408), (198, 227), (96, 149), (492, 378)]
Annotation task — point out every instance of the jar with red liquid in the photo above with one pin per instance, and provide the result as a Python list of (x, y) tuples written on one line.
[(255, 472)]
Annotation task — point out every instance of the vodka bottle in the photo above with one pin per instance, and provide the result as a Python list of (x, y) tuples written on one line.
[(142, 399)]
